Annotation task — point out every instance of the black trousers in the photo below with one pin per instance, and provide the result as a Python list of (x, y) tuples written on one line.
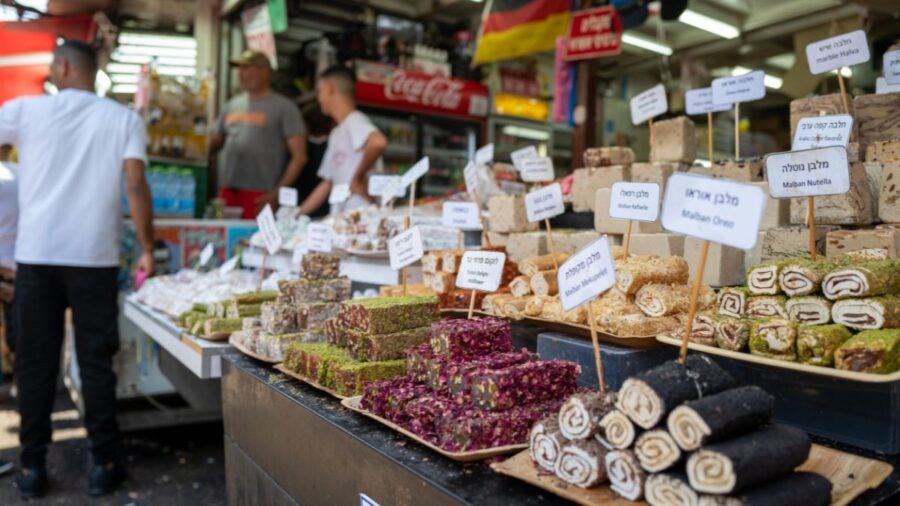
[(43, 292)]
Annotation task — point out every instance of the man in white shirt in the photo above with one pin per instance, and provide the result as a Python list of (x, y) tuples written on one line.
[(74, 149), (354, 146)]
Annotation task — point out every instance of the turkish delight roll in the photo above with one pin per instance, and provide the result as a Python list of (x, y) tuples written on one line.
[(577, 315), (665, 300), (875, 351), (868, 314), (525, 383), (774, 338), (513, 308), (800, 488), (816, 344), (703, 331), (544, 283), (520, 286), (616, 430), (732, 301), (656, 450), (803, 276), (865, 280), (533, 265), (377, 347), (387, 315), (719, 416), (748, 460), (545, 444), (552, 310), (732, 333), (221, 328), (236, 310), (467, 339), (668, 489), (582, 463), (625, 475), (579, 416), (491, 300), (810, 310), (535, 305), (635, 272), (431, 262), (450, 261), (767, 307), (320, 266), (763, 278)]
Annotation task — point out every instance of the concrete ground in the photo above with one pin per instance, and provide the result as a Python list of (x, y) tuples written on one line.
[(175, 466)]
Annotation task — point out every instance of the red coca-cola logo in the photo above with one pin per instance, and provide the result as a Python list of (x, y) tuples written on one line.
[(428, 91)]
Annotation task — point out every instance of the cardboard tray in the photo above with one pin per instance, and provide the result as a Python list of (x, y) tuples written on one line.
[(241, 348), (353, 404), (287, 372)]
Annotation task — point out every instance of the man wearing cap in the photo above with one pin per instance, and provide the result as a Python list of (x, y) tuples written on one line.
[(261, 134)]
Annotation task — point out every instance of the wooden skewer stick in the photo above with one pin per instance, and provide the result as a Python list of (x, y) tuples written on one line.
[(262, 268), (627, 241), (459, 239), (552, 244), (737, 131), (471, 303), (596, 343), (811, 223), (844, 100), (403, 272), (692, 309), (709, 136)]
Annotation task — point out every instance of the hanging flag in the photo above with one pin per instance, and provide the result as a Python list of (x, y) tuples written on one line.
[(514, 28)]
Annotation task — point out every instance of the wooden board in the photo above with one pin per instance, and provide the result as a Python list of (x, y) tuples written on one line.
[(353, 404), (783, 364), (246, 351), (287, 372)]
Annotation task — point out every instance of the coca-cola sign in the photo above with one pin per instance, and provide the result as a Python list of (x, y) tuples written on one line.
[(386, 85)]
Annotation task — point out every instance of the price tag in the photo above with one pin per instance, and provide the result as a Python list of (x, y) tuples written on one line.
[(287, 197), (743, 88), (266, 222), (586, 274), (405, 248), (717, 210), (415, 172), (377, 183), (300, 250), (206, 254), (839, 51), (634, 201), (544, 203), (229, 265), (339, 193), (649, 104), (519, 155), (318, 237), (892, 67), (822, 131), (481, 270), (537, 170), (700, 101), (390, 191), (470, 174), (485, 154), (822, 171), (882, 87), (463, 215)]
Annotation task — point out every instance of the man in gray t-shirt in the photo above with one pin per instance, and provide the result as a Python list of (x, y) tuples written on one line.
[(261, 134)]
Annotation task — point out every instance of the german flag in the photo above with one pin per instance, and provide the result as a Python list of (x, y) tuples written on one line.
[(514, 28)]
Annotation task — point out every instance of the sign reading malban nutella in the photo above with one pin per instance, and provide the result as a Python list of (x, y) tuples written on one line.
[(586, 274), (717, 210), (480, 270), (593, 33), (318, 237), (462, 215), (649, 104), (832, 53), (405, 248), (822, 131), (634, 201), (808, 173), (538, 169), (892, 66), (544, 203), (743, 88), (700, 101)]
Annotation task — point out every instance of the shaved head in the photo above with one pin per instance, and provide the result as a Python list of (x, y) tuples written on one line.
[(74, 65), (342, 78)]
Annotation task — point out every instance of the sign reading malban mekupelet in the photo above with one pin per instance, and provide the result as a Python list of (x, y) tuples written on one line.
[(405, 248), (586, 274), (593, 33), (836, 52), (822, 131), (700, 101), (634, 201), (743, 88), (649, 104), (480, 270), (461, 215), (808, 173), (544, 203)]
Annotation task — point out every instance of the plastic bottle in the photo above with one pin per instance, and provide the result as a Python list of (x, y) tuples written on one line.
[(187, 187), (153, 175)]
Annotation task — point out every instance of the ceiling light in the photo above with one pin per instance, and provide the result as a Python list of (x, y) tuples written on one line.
[(141, 39), (158, 51), (769, 80), (124, 88), (526, 133), (647, 44), (708, 24)]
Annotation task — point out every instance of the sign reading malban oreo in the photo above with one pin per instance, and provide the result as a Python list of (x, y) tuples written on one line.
[(808, 173), (405, 248), (717, 210), (593, 33), (634, 201), (586, 274), (480, 270)]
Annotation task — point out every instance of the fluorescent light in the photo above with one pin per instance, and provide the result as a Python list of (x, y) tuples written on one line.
[(124, 88), (176, 71), (526, 133), (121, 68), (708, 24), (140, 39), (769, 80), (647, 44), (158, 51), (124, 78), (162, 60), (26, 59)]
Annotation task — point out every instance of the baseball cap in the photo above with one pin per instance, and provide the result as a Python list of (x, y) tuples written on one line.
[(251, 57)]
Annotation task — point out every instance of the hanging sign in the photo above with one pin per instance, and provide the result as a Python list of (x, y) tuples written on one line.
[(593, 33)]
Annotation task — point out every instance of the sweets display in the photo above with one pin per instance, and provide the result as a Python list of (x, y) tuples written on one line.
[(875, 351), (719, 416)]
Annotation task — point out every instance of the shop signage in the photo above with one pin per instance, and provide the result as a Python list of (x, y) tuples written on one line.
[(229, 265), (744, 88), (415, 172), (462, 215), (485, 154), (835, 52), (586, 274), (808, 173), (266, 222), (405, 248), (634, 201), (700, 101), (821, 131), (287, 197), (278, 15), (378, 182), (892, 67), (538, 169), (258, 32), (519, 155), (717, 210), (594, 33), (544, 203), (386, 85), (339, 193), (518, 82), (206, 254), (470, 175), (882, 87), (481, 270), (649, 104), (318, 237)]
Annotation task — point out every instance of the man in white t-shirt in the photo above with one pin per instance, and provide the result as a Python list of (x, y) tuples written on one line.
[(354, 146), (74, 150)]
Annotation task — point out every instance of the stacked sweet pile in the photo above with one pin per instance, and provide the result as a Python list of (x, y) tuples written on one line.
[(365, 342), (467, 390), (439, 270), (679, 435), (218, 320), (175, 294)]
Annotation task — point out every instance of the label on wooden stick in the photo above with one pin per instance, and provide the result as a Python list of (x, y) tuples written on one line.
[(520, 155), (462, 215), (586, 274), (378, 182), (266, 222), (634, 201), (405, 248), (481, 270), (318, 237), (892, 67), (415, 172), (649, 104), (822, 131), (839, 51), (700, 101), (743, 88), (544, 203), (537, 169), (808, 173), (485, 154), (287, 197)]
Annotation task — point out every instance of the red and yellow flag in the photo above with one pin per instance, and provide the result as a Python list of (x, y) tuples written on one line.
[(514, 28)]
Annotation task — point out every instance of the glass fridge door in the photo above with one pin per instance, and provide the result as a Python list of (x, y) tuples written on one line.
[(401, 131), (509, 134), (449, 145)]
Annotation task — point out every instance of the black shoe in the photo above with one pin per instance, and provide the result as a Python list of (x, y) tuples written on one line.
[(105, 479), (31, 482), (6, 466)]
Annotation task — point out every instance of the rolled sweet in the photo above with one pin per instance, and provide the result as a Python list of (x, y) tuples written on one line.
[(535, 305), (625, 475), (868, 314), (865, 280), (810, 310), (767, 307), (544, 283), (774, 338), (873, 351), (732, 333), (617, 430), (669, 489), (533, 265), (719, 416), (732, 301), (513, 308), (582, 464), (803, 276), (635, 272), (703, 331), (763, 279), (657, 451), (579, 417), (545, 444), (799, 488), (520, 286), (657, 299), (552, 310), (816, 344)]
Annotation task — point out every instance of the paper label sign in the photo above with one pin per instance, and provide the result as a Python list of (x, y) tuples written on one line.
[(717, 210), (892, 67), (519, 155), (649, 104), (586, 274), (822, 131), (287, 197), (462, 215), (339, 193), (882, 87), (839, 51), (266, 222), (229, 265), (480, 270), (822, 171), (405, 248), (206, 254), (377, 183), (415, 172), (391, 190), (634, 201), (485, 154), (537, 170), (365, 500), (544, 203), (318, 237), (743, 88), (470, 175), (700, 101)]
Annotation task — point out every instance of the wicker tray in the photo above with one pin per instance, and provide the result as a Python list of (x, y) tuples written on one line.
[(287, 372), (241, 348), (353, 404)]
